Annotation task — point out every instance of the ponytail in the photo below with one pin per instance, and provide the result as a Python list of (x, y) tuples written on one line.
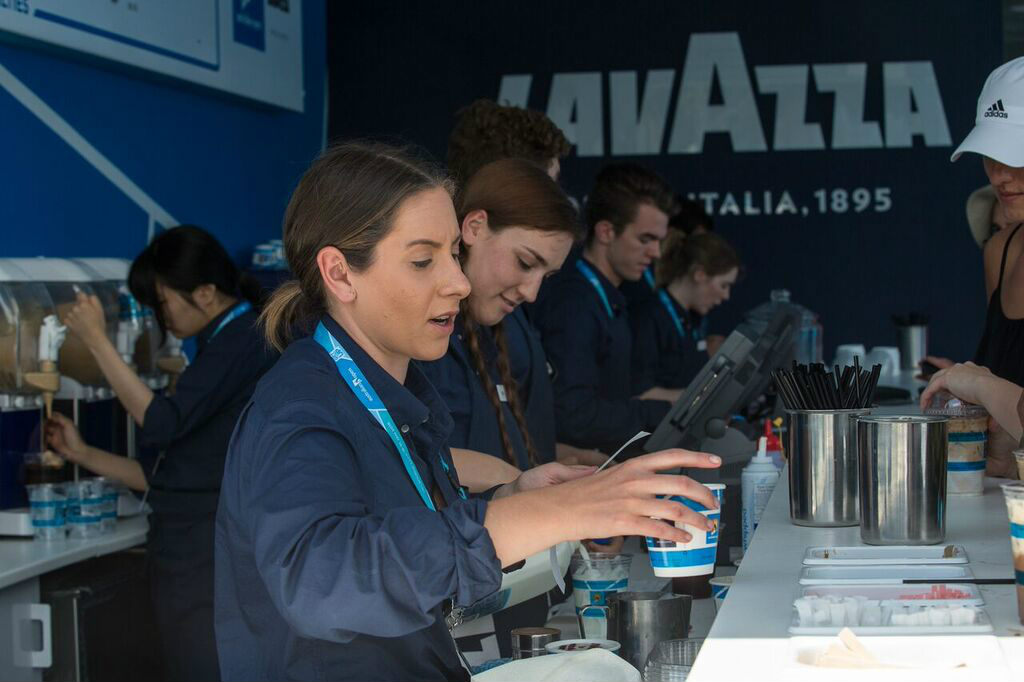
[(287, 311)]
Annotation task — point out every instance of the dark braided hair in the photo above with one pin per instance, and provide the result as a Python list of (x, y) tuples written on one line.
[(513, 192)]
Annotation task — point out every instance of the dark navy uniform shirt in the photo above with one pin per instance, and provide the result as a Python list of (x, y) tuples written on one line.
[(661, 355), (193, 426), (533, 374), (590, 353), (329, 565)]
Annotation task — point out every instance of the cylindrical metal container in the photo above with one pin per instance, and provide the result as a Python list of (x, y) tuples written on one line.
[(530, 642), (902, 479), (913, 345), (639, 620), (823, 467)]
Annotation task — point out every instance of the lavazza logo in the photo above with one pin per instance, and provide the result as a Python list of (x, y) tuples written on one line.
[(593, 108), (996, 110)]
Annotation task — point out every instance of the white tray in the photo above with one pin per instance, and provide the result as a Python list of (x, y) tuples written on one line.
[(981, 626), (886, 554), (888, 594), (882, 575)]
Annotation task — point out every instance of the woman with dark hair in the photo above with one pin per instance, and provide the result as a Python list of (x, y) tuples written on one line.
[(198, 292), (344, 536), (694, 275)]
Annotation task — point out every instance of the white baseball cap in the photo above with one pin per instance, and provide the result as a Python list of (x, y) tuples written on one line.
[(999, 125)]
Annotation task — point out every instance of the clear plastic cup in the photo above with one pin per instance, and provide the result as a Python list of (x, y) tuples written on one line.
[(47, 503), (671, 660), (593, 579), (1014, 493), (1019, 456), (696, 557), (85, 508)]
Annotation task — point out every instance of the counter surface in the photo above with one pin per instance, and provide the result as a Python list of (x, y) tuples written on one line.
[(749, 638), (25, 558)]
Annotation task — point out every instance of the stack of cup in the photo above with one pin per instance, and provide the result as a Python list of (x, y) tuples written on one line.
[(85, 508), (696, 557), (967, 435), (47, 507), (594, 578), (1014, 493)]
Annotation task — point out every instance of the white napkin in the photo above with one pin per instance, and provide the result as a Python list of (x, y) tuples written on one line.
[(595, 665)]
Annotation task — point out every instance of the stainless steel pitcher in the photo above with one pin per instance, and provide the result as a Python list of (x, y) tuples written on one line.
[(639, 620)]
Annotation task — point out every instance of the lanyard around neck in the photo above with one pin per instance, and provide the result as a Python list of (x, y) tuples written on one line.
[(649, 278), (363, 390), (596, 283), (236, 312)]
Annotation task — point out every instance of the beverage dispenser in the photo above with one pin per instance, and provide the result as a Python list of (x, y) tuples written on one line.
[(31, 338)]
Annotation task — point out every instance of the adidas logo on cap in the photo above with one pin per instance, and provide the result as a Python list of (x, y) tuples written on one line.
[(996, 110)]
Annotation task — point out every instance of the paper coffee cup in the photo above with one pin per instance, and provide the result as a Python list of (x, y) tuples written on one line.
[(696, 557)]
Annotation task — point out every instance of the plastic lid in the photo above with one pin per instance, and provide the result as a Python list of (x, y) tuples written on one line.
[(945, 404)]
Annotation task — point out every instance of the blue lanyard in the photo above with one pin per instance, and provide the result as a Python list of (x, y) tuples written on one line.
[(236, 312), (697, 334), (596, 283), (649, 278), (363, 390)]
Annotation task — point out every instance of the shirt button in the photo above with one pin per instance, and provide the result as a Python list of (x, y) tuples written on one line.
[(405, 428)]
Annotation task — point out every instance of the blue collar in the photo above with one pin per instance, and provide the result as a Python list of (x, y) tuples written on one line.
[(649, 278)]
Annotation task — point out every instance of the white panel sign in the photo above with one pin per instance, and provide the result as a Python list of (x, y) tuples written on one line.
[(251, 48)]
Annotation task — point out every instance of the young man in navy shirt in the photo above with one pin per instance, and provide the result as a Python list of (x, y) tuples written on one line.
[(583, 319)]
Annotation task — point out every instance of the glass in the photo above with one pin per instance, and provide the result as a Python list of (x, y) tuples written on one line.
[(671, 660), (1014, 493)]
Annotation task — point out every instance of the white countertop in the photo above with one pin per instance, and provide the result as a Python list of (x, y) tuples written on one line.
[(749, 639), (25, 558)]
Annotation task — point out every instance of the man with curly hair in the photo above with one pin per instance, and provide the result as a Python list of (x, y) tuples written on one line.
[(487, 131)]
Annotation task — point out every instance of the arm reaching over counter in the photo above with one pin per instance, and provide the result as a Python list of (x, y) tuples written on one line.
[(974, 384)]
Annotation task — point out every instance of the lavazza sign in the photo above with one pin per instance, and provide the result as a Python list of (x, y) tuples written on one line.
[(912, 105)]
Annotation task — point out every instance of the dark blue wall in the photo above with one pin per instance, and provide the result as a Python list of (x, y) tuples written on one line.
[(222, 162), (403, 69)]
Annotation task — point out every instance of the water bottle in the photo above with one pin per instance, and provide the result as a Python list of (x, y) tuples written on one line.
[(757, 483), (809, 348)]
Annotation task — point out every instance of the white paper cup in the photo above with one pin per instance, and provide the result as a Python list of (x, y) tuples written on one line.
[(720, 588), (696, 557)]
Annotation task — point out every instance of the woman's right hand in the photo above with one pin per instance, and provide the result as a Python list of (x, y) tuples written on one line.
[(62, 435), (623, 500), (966, 381)]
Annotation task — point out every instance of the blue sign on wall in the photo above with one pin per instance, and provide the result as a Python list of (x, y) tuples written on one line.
[(817, 134), (248, 20), (95, 159)]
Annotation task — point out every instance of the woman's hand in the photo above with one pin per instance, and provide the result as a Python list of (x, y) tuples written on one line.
[(86, 320), (966, 381), (62, 435), (623, 500), (543, 476)]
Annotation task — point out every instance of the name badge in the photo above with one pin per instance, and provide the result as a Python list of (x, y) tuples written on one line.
[(501, 393), (702, 345)]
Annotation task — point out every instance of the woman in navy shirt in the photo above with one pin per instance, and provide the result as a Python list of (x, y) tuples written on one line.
[(343, 535), (695, 275), (197, 291)]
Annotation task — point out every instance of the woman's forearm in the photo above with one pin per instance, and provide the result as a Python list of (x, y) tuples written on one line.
[(133, 394), (122, 469), (480, 472), (1001, 398)]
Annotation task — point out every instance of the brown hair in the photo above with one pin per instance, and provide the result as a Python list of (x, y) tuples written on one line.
[(347, 199), (487, 131), (619, 189), (514, 193), (681, 256), (691, 217)]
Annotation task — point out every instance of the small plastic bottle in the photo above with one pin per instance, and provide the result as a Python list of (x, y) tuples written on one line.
[(757, 481)]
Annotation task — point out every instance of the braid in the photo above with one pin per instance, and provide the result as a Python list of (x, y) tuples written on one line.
[(473, 345), (512, 391)]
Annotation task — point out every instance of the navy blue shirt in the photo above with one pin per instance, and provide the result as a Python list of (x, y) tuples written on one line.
[(193, 426), (590, 353), (328, 564), (661, 355), (533, 374)]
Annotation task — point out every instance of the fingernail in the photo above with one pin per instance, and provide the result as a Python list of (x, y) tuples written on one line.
[(715, 459)]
